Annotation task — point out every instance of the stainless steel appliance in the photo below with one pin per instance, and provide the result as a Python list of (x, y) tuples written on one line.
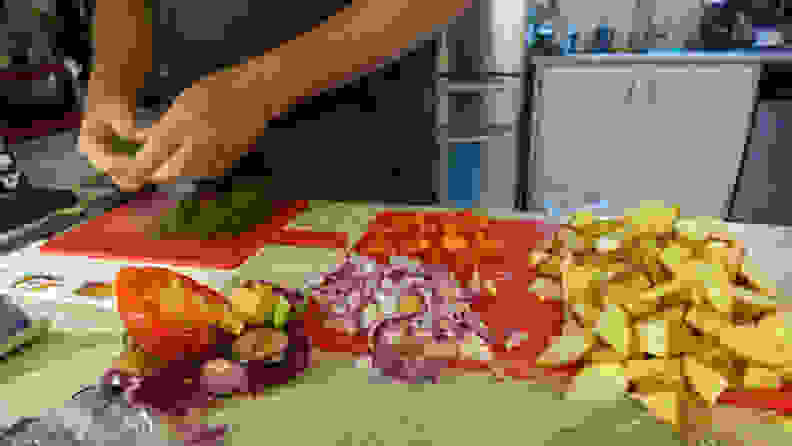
[(481, 62)]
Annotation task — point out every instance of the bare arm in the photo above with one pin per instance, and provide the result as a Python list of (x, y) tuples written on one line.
[(357, 40), (123, 46)]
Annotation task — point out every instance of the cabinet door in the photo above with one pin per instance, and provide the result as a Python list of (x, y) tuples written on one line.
[(583, 120), (692, 140)]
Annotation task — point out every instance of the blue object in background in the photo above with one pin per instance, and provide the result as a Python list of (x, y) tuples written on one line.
[(603, 37), (544, 31), (571, 42), (530, 28), (464, 174)]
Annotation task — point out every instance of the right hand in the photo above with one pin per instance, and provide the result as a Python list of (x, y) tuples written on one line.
[(106, 115)]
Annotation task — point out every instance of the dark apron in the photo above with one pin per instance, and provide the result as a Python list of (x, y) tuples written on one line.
[(370, 139)]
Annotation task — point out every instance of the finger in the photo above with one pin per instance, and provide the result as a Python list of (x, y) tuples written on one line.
[(160, 142), (124, 124), (191, 162), (127, 185), (95, 143)]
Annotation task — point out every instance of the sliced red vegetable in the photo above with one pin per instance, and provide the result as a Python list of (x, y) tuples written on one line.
[(185, 329)]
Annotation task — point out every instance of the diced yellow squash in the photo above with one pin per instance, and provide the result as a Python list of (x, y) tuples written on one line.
[(708, 321), (666, 334), (602, 353), (615, 329), (612, 228), (583, 284), (673, 373), (668, 407), (699, 228), (707, 383), (588, 312), (582, 220), (675, 255), (636, 369), (641, 310), (654, 384), (656, 294), (716, 286), (551, 267), (723, 361), (625, 288), (721, 253), (758, 344), (761, 378), (651, 217)]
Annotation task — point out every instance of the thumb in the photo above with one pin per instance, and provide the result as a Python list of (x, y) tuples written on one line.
[(124, 125)]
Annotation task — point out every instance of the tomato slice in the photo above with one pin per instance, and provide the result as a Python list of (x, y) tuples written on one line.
[(167, 313)]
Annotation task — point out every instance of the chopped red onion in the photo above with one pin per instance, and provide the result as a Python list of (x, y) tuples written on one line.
[(360, 282)]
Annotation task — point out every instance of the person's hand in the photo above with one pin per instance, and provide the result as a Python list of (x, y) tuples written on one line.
[(206, 129), (107, 114)]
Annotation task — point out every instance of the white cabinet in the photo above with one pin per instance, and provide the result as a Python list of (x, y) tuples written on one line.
[(581, 124), (641, 132)]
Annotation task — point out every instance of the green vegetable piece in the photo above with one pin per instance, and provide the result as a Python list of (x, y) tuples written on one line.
[(613, 327), (123, 146), (280, 313), (582, 218), (673, 256)]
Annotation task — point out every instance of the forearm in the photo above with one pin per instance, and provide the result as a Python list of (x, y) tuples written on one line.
[(357, 40), (122, 39)]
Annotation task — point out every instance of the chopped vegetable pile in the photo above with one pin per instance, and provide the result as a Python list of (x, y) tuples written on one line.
[(231, 214), (186, 346), (670, 309), (417, 317)]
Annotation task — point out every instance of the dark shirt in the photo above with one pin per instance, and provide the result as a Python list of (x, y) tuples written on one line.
[(321, 136)]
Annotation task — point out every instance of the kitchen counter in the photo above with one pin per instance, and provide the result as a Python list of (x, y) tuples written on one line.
[(341, 407), (750, 56)]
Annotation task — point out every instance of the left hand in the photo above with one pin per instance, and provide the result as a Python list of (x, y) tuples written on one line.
[(206, 129)]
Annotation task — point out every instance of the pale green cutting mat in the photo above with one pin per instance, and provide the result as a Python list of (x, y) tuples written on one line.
[(335, 405)]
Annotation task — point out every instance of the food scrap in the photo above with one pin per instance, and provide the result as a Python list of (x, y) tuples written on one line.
[(95, 289), (669, 310), (37, 282)]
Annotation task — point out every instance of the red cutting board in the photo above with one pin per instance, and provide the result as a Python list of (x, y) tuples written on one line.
[(119, 235), (513, 307)]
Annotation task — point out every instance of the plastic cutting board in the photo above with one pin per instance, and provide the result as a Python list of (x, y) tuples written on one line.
[(512, 309), (117, 236)]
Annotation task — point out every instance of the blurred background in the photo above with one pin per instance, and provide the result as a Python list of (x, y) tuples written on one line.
[(476, 80)]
